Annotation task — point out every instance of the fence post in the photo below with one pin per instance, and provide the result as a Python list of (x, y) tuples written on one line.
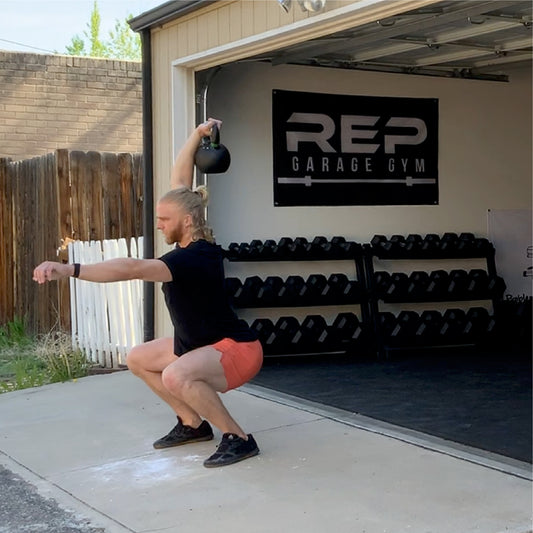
[(64, 207), (7, 240)]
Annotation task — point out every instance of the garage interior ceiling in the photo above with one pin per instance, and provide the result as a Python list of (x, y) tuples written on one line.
[(459, 38)]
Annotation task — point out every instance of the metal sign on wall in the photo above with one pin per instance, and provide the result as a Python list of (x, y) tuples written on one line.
[(332, 149)]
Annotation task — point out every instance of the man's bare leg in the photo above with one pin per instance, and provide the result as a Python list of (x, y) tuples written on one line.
[(195, 378), (147, 361)]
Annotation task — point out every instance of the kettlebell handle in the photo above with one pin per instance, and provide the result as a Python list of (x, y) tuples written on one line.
[(215, 135)]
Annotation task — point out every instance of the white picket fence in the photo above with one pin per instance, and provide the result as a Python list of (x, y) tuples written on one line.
[(106, 318)]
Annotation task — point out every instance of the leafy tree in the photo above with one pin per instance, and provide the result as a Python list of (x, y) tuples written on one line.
[(76, 47), (123, 43)]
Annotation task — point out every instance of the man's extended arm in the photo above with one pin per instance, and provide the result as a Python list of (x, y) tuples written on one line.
[(120, 269), (183, 168)]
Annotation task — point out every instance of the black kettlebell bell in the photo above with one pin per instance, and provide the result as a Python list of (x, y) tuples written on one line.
[(211, 156)]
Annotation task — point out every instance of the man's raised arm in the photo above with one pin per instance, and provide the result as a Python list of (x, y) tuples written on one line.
[(183, 168)]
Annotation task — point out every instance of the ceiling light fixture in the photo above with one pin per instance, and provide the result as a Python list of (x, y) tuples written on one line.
[(285, 4), (312, 5), (306, 5)]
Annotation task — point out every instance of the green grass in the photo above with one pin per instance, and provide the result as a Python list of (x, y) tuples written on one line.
[(27, 361), (13, 334)]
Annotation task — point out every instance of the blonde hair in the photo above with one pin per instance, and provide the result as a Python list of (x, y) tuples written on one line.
[(193, 202)]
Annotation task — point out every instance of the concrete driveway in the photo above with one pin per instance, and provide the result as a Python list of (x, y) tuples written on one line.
[(88, 445)]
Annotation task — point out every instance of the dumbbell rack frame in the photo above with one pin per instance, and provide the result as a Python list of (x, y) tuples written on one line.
[(370, 252), (356, 257)]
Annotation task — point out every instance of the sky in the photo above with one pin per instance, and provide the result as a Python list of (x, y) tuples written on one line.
[(47, 26)]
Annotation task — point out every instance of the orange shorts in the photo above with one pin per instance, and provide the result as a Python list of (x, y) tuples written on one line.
[(241, 360)]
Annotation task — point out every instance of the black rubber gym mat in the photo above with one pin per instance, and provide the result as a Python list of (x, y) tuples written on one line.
[(481, 400)]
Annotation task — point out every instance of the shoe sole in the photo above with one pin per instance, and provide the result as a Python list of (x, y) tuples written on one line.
[(183, 442), (228, 462)]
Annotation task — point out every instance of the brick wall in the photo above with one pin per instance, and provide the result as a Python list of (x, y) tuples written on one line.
[(78, 103)]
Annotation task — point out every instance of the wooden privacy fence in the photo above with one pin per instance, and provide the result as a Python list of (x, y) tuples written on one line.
[(46, 202), (107, 318)]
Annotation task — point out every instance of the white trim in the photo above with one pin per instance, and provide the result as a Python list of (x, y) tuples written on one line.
[(353, 15), (183, 119)]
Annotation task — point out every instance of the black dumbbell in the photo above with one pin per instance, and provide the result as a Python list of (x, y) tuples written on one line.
[(452, 327), (352, 292), (340, 248), (291, 291), (378, 243), (345, 331), (413, 244), (381, 282), (344, 291), (386, 322), (458, 284), (333, 291), (430, 243), (437, 284), (465, 244), (246, 295), (279, 340), (247, 251), (478, 282), (264, 328), (396, 246), (397, 289), (312, 336), (232, 251), (255, 246), (267, 250), (283, 248), (387, 247), (428, 327), (316, 248), (448, 243), (267, 295), (231, 286), (476, 323), (341, 290), (417, 285), (481, 246), (349, 249), (236, 250), (496, 287), (482, 285), (404, 328), (314, 288), (299, 248)]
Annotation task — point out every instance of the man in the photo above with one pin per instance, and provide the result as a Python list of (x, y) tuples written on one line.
[(212, 350)]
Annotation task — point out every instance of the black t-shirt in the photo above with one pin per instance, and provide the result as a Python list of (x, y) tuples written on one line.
[(196, 298)]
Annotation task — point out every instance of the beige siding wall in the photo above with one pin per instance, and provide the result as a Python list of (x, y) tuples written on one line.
[(226, 22)]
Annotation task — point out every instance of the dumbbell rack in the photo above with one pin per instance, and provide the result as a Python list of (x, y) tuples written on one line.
[(398, 248), (298, 250)]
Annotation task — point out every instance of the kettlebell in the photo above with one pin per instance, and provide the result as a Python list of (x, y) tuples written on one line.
[(211, 156)]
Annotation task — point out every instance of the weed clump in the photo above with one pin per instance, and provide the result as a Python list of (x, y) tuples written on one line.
[(31, 361)]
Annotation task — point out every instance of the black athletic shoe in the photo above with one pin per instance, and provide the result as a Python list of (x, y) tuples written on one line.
[(232, 449), (181, 434)]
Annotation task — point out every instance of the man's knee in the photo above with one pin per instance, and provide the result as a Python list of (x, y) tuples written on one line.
[(176, 380), (136, 359)]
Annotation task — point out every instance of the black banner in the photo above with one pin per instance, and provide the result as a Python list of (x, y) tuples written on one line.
[(354, 150)]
